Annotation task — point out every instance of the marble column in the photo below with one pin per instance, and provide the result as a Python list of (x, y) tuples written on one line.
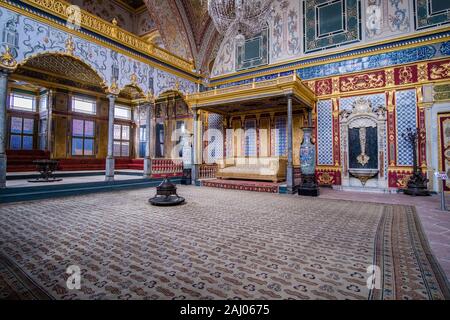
[(3, 103), (195, 138), (290, 146), (148, 142), (49, 121), (109, 175)]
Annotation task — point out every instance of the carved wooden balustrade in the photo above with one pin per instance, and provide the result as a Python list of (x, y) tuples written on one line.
[(167, 168), (207, 171)]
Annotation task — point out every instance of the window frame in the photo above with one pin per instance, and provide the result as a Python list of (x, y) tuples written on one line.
[(83, 137), (21, 134), (123, 107), (30, 96), (75, 98), (121, 141)]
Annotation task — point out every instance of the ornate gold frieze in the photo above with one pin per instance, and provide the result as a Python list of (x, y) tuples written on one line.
[(405, 75), (311, 85), (325, 178), (278, 87), (390, 80), (440, 72), (335, 82), (422, 72), (111, 30), (363, 81)]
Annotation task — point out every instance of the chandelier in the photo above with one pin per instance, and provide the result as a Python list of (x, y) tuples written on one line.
[(239, 18)]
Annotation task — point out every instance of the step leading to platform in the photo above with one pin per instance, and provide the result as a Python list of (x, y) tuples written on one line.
[(20, 194)]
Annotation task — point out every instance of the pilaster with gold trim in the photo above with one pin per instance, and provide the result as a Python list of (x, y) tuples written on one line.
[(7, 66), (336, 133), (421, 126), (391, 128)]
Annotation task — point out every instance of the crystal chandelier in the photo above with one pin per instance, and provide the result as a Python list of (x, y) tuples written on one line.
[(239, 18)]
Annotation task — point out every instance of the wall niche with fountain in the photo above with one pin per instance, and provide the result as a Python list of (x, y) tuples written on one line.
[(363, 142)]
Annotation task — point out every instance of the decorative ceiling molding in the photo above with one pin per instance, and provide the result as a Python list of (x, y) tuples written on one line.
[(207, 52), (185, 26), (133, 5), (170, 25), (196, 12)]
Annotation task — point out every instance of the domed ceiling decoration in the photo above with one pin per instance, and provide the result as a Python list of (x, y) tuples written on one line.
[(182, 27), (186, 29), (131, 15), (135, 4)]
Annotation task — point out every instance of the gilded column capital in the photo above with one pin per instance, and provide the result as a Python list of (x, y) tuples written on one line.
[(113, 89), (150, 98)]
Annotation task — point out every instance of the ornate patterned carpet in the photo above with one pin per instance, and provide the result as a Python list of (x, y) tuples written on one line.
[(223, 244)]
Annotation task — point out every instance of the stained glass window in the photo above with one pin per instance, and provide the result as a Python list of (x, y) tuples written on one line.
[(439, 6), (83, 137), (252, 49), (331, 18), (22, 132), (255, 51)]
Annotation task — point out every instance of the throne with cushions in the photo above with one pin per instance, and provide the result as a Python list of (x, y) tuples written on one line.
[(252, 168)]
